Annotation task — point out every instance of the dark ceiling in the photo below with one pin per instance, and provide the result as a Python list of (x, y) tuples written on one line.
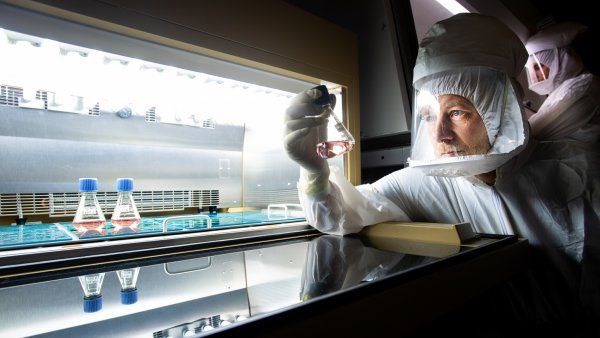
[(347, 14), (581, 11)]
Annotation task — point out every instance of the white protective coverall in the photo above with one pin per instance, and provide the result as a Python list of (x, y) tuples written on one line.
[(572, 108), (546, 192)]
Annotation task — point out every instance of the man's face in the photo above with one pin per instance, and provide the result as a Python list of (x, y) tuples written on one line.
[(541, 71), (456, 129)]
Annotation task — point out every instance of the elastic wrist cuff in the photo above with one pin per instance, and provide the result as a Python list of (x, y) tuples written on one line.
[(314, 186)]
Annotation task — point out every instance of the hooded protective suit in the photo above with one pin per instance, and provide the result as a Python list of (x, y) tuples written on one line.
[(546, 192), (572, 108)]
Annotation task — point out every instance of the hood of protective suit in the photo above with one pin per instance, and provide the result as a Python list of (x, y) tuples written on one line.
[(550, 48), (478, 58)]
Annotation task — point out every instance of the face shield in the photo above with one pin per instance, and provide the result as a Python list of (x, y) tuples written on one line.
[(541, 68), (466, 122)]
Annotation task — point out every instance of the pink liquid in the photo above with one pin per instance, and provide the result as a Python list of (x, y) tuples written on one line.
[(333, 148), (125, 222), (89, 225), (125, 231), (83, 233)]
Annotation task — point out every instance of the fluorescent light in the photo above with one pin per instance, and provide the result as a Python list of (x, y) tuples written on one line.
[(453, 6)]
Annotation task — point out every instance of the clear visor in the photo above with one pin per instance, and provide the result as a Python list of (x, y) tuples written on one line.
[(536, 71), (539, 66), (465, 124), (448, 126)]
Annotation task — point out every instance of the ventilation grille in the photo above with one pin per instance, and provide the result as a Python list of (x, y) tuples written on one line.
[(208, 123), (151, 115), (9, 95), (95, 111), (25, 204), (205, 198), (65, 204), (42, 95), (261, 198)]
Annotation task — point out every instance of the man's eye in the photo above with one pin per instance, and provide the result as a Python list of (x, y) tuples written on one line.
[(456, 113)]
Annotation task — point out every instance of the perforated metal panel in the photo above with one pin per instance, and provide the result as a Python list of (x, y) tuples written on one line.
[(258, 198), (151, 115), (9, 95), (65, 204)]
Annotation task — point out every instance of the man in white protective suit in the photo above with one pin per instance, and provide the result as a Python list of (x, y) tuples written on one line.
[(572, 108), (471, 161)]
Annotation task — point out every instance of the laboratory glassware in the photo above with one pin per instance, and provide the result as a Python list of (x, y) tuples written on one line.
[(125, 215), (128, 279), (339, 140), (92, 288), (89, 215)]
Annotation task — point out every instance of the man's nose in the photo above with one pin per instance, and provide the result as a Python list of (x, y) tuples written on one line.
[(443, 130)]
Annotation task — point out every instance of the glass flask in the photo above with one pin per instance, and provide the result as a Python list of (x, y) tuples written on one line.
[(125, 217), (338, 140), (92, 296), (128, 279), (89, 215)]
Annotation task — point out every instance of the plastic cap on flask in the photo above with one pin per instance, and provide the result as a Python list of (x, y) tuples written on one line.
[(88, 184), (324, 99), (92, 305), (125, 184), (129, 297)]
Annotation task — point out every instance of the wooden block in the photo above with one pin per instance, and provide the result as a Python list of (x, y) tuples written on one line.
[(444, 233)]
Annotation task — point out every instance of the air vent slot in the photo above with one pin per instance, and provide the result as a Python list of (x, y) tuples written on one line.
[(151, 115), (9, 95)]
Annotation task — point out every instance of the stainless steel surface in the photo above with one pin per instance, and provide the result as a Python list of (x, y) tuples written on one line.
[(57, 304), (187, 266), (261, 281), (274, 276), (191, 217)]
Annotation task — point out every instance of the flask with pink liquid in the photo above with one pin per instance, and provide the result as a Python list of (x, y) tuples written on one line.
[(89, 215), (126, 217), (339, 140)]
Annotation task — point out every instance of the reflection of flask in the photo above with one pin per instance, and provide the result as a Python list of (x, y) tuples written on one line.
[(128, 279), (126, 214), (89, 215), (339, 141), (92, 297)]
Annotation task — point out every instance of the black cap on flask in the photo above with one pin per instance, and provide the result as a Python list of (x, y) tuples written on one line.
[(325, 98)]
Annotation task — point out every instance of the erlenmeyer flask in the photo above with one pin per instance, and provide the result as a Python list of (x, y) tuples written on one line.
[(337, 140)]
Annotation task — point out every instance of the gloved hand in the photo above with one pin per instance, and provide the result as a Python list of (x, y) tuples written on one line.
[(305, 126)]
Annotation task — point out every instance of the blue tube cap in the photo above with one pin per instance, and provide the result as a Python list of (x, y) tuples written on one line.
[(125, 184), (129, 297), (92, 304), (88, 184)]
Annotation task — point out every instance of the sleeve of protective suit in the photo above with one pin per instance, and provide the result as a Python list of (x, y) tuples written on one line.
[(343, 208), (574, 105)]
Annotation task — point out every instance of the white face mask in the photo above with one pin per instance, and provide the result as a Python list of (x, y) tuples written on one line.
[(466, 122)]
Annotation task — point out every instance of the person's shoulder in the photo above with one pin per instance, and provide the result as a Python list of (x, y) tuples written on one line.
[(408, 178), (568, 152), (585, 84)]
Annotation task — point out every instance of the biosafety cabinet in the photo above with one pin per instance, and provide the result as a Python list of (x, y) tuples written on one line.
[(187, 98)]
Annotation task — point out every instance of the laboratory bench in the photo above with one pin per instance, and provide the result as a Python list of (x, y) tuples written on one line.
[(267, 284)]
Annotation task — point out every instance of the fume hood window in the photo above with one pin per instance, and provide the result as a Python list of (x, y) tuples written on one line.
[(204, 149)]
